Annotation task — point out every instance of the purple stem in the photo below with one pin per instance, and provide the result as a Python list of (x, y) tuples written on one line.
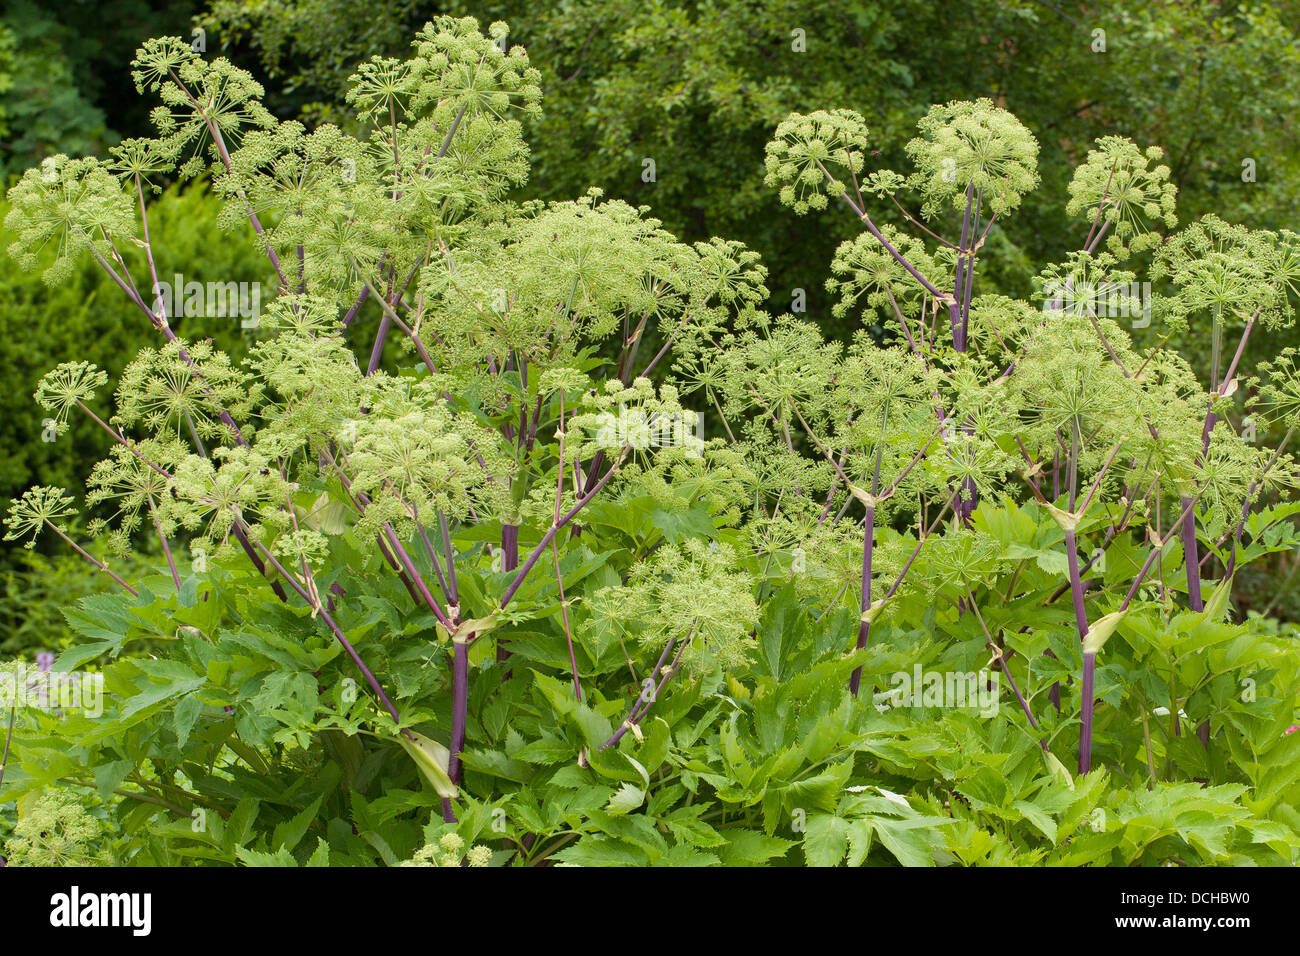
[(1188, 534), (351, 314), (1085, 731), (898, 256), (429, 600), (459, 707), (970, 275), (167, 551), (646, 697), (864, 627), (447, 556), (1191, 557), (337, 631), (377, 350), (509, 562), (958, 291), (551, 532), (93, 560), (1089, 660)]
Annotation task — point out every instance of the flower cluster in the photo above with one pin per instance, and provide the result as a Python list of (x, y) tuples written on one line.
[(450, 851), (57, 831)]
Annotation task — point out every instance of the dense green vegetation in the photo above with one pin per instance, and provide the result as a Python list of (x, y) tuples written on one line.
[(698, 87)]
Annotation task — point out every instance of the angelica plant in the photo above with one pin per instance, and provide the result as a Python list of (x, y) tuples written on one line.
[(522, 533), (502, 308), (1056, 400), (1116, 190), (448, 852), (44, 508), (689, 605), (58, 832)]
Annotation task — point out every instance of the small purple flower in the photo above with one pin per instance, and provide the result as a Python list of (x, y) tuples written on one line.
[(1293, 728), (44, 661)]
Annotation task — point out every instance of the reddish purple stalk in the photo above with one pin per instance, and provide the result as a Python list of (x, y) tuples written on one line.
[(649, 694), (1085, 731), (336, 630), (1089, 660), (509, 562), (459, 707), (1191, 557), (959, 281), (551, 532), (864, 627)]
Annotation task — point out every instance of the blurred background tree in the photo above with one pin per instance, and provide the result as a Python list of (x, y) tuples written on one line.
[(65, 86)]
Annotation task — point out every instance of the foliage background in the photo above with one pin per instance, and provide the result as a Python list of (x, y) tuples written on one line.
[(697, 87), (1211, 82)]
